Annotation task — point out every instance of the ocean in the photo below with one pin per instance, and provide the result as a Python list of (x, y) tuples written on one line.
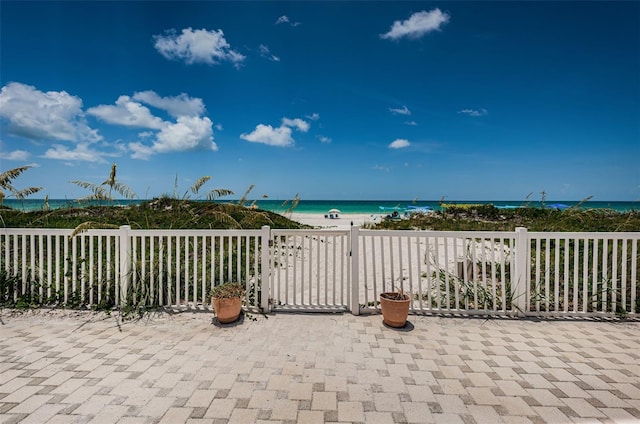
[(344, 206)]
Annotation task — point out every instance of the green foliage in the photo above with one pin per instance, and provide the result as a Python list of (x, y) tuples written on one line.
[(104, 191), (160, 213), (228, 291), (195, 190), (490, 218)]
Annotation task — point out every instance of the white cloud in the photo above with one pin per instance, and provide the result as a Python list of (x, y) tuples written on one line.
[(314, 116), (141, 151), (474, 112), (17, 155), (127, 113), (280, 136), (284, 19), (417, 25), (38, 115), (197, 46), (266, 53), (181, 105), (381, 168), (412, 123), (400, 143), (82, 152), (298, 123), (324, 139), (266, 134), (219, 127), (400, 111), (188, 133), (57, 115)]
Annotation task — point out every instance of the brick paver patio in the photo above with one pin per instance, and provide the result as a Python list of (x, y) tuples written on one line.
[(66, 367)]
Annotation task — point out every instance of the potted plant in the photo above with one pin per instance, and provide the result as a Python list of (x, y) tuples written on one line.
[(395, 308), (226, 300)]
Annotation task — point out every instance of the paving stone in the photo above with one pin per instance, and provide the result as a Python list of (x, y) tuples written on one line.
[(324, 401), (220, 408), (345, 369), (284, 409), (350, 411), (311, 417), (176, 415), (243, 416)]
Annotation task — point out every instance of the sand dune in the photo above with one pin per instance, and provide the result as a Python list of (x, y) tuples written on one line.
[(343, 223)]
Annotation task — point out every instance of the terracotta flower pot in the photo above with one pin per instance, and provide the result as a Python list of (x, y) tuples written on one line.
[(227, 309), (395, 309)]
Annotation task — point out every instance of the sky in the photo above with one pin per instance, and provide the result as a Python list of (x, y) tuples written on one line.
[(326, 100)]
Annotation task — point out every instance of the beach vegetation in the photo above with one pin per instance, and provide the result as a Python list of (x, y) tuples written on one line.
[(105, 190), (487, 217), (227, 290), (158, 213), (6, 184)]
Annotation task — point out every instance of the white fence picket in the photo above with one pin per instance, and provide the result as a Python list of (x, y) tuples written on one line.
[(530, 273)]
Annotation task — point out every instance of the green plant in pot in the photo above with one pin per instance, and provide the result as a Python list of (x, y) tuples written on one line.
[(226, 300), (395, 308)]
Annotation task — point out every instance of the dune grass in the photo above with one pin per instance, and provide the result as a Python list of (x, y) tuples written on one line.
[(490, 218)]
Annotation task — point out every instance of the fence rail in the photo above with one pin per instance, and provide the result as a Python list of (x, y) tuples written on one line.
[(580, 273), (310, 270), (452, 272), (508, 273)]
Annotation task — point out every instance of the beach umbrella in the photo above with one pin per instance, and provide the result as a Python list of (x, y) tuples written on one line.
[(334, 211)]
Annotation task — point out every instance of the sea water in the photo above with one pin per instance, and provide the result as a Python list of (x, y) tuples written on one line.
[(323, 206)]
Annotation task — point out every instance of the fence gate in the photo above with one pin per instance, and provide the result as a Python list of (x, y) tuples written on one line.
[(310, 270)]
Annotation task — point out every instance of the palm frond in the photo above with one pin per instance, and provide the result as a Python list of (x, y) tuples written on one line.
[(11, 174), (255, 219), (175, 187), (111, 181), (223, 218), (218, 192), (21, 194), (90, 225), (294, 203), (243, 199), (84, 184), (98, 192), (232, 207), (123, 190), (195, 188), (580, 203)]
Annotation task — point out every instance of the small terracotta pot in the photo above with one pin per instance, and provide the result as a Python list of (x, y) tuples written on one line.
[(227, 310), (394, 312)]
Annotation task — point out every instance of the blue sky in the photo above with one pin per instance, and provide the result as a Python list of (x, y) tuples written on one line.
[(331, 100)]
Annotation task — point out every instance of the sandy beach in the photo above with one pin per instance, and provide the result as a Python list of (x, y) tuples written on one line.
[(312, 266), (344, 222)]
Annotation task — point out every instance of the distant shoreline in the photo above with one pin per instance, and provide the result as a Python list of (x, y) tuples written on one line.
[(350, 207)]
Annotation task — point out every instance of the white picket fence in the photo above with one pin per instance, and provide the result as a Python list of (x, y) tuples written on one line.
[(462, 273)]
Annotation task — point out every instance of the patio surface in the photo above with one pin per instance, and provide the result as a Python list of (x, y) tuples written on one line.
[(65, 367)]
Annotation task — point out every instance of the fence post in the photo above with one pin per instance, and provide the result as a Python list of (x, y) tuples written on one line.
[(354, 252), (265, 269), (520, 289), (125, 262)]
